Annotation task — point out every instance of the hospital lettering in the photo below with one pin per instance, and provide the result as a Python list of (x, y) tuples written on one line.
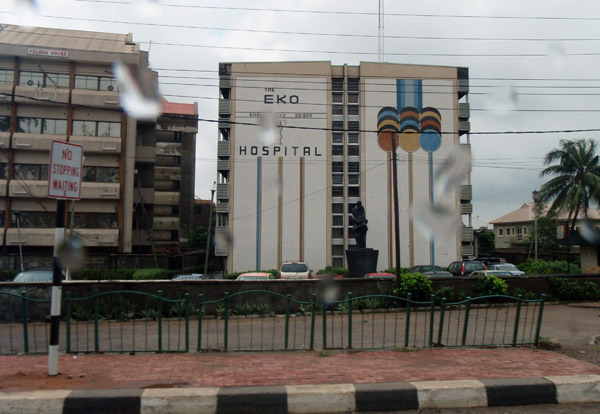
[(278, 150)]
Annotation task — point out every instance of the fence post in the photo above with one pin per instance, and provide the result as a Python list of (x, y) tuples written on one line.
[(68, 316), (25, 322), (350, 320), (466, 322), (96, 317), (187, 321), (431, 319), (441, 324), (407, 327), (517, 317), (226, 328), (160, 311), (312, 321), (539, 321), (324, 309), (200, 313), (287, 320)]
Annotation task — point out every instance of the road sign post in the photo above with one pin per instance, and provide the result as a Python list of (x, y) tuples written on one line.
[(64, 183)]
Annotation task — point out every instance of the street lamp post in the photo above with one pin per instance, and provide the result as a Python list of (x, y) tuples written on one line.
[(535, 196), (212, 197)]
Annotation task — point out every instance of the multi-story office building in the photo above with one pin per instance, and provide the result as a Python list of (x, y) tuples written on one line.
[(137, 177), (285, 192)]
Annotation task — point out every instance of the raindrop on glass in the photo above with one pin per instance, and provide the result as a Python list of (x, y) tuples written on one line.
[(27, 11), (556, 51), (452, 172), (589, 233), (435, 220), (148, 8), (139, 97), (71, 253), (268, 132)]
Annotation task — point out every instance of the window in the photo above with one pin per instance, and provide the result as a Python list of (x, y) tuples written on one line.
[(54, 126), (100, 174), (337, 84), (337, 98), (500, 233), (97, 83), (354, 167), (338, 221), (353, 179), (513, 232), (353, 138), (353, 110), (353, 191), (168, 136), (353, 125), (337, 150), (524, 230), (97, 128), (352, 98), (337, 261), (95, 221), (337, 191), (353, 150), (41, 79), (3, 171), (29, 125), (337, 250), (6, 76), (34, 219), (337, 208), (337, 137), (337, 179), (337, 110), (34, 172), (353, 84), (337, 167), (507, 232), (4, 123), (337, 125), (337, 232)]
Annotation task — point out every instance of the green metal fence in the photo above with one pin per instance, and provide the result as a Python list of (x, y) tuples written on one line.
[(23, 324), (260, 320)]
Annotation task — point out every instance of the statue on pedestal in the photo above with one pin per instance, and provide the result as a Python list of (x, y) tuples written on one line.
[(359, 228)]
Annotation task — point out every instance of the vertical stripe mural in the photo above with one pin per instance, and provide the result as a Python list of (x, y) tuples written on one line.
[(301, 232), (409, 97), (279, 208), (258, 207)]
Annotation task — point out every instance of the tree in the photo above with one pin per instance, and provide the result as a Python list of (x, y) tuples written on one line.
[(576, 183), (486, 241)]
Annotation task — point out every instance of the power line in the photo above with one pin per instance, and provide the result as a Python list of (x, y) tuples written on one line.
[(345, 12)]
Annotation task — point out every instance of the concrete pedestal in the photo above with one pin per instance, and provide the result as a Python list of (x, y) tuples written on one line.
[(361, 261)]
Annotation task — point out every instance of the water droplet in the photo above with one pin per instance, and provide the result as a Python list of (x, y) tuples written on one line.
[(71, 253), (223, 241), (148, 9), (556, 51), (502, 99), (27, 12), (589, 233), (268, 132), (452, 172), (435, 220), (139, 98)]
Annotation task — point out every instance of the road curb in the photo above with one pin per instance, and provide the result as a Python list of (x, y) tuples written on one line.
[(320, 398)]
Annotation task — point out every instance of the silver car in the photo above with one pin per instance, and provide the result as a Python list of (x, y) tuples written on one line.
[(509, 267)]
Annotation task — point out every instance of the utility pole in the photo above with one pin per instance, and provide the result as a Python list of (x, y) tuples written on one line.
[(535, 196), (380, 44), (212, 196), (18, 217), (396, 210)]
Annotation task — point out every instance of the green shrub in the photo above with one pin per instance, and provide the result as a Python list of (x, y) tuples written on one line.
[(333, 271), (525, 294), (6, 275), (393, 270), (491, 285), (101, 274), (116, 308), (555, 267), (417, 284), (445, 292), (574, 290), (152, 274)]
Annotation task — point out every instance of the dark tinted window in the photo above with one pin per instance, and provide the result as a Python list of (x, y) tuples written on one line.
[(294, 267), (472, 266)]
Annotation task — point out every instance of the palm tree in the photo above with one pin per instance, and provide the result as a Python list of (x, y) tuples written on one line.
[(576, 183)]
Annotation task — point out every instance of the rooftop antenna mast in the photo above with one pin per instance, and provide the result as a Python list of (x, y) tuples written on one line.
[(380, 47)]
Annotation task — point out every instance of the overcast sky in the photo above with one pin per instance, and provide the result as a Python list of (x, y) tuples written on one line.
[(533, 64)]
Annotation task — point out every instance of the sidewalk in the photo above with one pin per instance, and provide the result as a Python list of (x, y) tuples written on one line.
[(294, 381)]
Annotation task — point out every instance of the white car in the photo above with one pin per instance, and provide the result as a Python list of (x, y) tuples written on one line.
[(294, 270), (514, 270)]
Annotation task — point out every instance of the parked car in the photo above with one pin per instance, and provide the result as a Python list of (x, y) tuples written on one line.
[(491, 260), (514, 270), (381, 275), (465, 268), (193, 276), (254, 276), (430, 270), (490, 273), (34, 276), (294, 270)]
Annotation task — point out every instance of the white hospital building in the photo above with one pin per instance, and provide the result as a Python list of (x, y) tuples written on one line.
[(299, 146)]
